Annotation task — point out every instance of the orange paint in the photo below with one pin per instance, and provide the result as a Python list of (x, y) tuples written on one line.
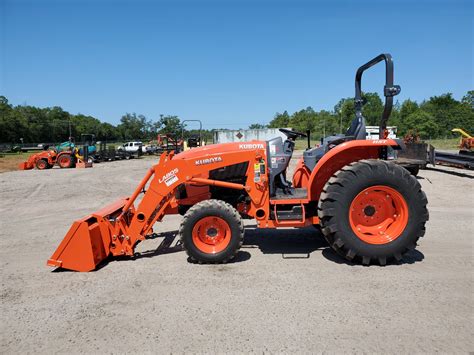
[(378, 215), (211, 235)]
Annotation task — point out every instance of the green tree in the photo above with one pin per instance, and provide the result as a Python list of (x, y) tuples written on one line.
[(170, 125), (468, 99), (423, 123), (407, 108), (303, 120), (449, 113), (327, 124), (373, 108), (257, 126), (133, 126), (280, 120), (107, 131)]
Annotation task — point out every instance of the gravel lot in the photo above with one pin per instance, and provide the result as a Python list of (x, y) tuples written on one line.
[(286, 292)]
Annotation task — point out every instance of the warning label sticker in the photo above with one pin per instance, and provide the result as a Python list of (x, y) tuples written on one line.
[(171, 180), (256, 177)]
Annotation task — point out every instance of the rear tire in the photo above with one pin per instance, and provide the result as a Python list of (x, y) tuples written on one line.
[(65, 161), (372, 211), (212, 232), (414, 170)]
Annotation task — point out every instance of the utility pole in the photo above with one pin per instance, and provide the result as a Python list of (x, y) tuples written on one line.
[(340, 120)]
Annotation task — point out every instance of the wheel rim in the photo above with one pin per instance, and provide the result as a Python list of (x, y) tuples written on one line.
[(378, 215), (41, 165), (211, 235), (64, 162)]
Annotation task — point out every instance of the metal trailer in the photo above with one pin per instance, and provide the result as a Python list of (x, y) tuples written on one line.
[(415, 156), (459, 160)]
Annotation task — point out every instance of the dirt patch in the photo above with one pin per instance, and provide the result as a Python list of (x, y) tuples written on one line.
[(10, 162)]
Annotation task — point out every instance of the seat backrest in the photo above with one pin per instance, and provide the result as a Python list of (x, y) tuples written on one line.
[(357, 128), (279, 155)]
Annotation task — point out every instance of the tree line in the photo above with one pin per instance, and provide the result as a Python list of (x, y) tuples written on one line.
[(432, 118)]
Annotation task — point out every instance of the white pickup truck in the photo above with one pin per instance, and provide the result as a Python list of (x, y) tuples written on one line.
[(132, 147)]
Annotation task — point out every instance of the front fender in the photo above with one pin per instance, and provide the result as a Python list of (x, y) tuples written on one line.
[(342, 155)]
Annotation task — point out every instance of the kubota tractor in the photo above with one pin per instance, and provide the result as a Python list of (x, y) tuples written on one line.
[(65, 155), (48, 158), (370, 210)]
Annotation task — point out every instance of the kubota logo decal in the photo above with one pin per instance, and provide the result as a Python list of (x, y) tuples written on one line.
[(169, 178), (208, 160), (379, 141), (251, 146)]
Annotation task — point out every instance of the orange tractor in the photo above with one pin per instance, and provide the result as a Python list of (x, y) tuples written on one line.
[(369, 210), (48, 158), (65, 155)]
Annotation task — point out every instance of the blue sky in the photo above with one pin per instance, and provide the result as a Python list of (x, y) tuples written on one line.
[(227, 63)]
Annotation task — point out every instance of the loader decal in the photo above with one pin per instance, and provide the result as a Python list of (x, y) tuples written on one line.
[(169, 178), (208, 161)]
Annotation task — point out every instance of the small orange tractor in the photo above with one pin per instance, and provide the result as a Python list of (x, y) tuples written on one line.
[(65, 155), (369, 209), (48, 158)]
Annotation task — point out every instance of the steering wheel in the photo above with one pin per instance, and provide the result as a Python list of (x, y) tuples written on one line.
[(292, 134)]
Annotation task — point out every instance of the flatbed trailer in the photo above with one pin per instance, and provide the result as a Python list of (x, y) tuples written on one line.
[(460, 160)]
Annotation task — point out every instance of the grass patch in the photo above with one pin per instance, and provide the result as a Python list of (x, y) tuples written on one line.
[(10, 161), (302, 144), (447, 144)]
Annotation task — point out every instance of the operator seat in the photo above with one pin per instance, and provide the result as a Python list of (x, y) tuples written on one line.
[(355, 131), (280, 155)]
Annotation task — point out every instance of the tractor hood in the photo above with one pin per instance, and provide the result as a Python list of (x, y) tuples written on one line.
[(215, 149)]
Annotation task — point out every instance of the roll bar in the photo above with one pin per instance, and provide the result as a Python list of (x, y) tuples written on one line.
[(200, 129), (390, 90)]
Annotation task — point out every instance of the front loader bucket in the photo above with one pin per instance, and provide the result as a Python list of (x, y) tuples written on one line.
[(87, 243), (24, 166)]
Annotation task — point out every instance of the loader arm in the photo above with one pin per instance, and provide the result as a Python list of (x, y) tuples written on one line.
[(116, 229)]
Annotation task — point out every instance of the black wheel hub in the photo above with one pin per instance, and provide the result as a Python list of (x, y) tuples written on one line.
[(369, 211), (212, 232)]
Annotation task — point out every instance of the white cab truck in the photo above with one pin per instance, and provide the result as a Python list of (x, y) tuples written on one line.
[(132, 147)]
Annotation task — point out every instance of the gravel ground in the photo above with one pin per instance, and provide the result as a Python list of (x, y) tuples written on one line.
[(286, 291)]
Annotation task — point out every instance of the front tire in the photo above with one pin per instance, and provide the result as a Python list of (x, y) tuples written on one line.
[(372, 211), (42, 164), (212, 232)]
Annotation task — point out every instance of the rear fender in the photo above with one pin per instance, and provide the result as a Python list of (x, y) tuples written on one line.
[(342, 155)]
